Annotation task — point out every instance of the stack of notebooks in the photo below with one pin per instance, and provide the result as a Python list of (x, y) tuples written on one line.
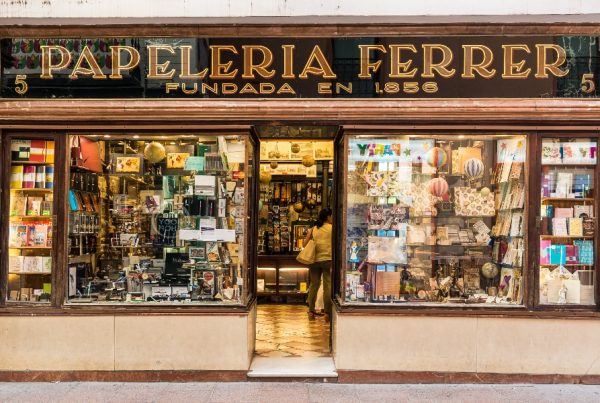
[(580, 252), (30, 235), (32, 176)]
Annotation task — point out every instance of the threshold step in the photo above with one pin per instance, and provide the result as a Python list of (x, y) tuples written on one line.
[(292, 367)]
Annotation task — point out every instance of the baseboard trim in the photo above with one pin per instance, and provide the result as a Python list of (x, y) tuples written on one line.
[(361, 376), (123, 376)]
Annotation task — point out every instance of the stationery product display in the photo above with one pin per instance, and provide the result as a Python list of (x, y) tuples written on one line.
[(30, 226), (156, 221), (295, 185), (435, 219), (567, 226)]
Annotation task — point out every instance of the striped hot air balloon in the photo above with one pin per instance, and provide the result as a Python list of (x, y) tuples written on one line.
[(473, 168), (438, 187), (436, 157)]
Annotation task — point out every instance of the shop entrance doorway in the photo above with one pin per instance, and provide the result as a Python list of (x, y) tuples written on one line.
[(295, 184)]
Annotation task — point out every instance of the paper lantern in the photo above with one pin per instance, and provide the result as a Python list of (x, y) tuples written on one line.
[(485, 192), (308, 161), (473, 168), (436, 157), (155, 152), (489, 270), (438, 187), (265, 177), (273, 164), (295, 148)]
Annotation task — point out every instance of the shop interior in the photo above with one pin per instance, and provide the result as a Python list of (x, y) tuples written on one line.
[(295, 183)]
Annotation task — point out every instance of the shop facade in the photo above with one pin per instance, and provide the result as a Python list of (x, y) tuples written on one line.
[(465, 170)]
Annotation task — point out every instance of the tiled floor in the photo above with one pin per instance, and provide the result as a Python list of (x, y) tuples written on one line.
[(286, 331)]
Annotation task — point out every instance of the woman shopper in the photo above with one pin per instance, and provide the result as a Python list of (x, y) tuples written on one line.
[(321, 235)]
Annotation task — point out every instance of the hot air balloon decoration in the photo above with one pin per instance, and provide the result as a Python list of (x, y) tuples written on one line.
[(436, 157), (473, 168), (438, 187)]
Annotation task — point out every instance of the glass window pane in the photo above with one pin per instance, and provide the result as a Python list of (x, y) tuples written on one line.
[(157, 219), (567, 228), (30, 220), (435, 219)]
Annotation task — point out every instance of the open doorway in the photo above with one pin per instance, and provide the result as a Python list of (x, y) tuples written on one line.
[(295, 185)]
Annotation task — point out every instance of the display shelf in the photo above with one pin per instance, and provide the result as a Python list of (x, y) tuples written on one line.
[(29, 247), (31, 273), (567, 265), (31, 163), (566, 199), (40, 190), (30, 217), (566, 237), (569, 165)]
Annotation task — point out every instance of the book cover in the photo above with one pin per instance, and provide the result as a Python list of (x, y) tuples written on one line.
[(15, 264), (49, 152), (17, 235), (582, 211), (558, 254), (33, 264), (545, 245), (47, 264), (18, 205), (16, 177), (49, 180), (28, 176), (559, 226), (212, 251), (19, 150), (40, 177), (40, 235), (37, 152), (73, 205), (575, 226), (34, 206), (586, 251), (564, 212), (564, 182)]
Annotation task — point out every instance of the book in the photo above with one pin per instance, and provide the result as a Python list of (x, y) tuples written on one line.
[(28, 176), (545, 245), (212, 251), (33, 264), (37, 151), (15, 264), (40, 177), (588, 226), (586, 251), (49, 152), (34, 206), (40, 237), (583, 210), (46, 265), (564, 212), (17, 235), (16, 177), (49, 180), (558, 254), (19, 150), (575, 226), (559, 226), (18, 205), (564, 181)]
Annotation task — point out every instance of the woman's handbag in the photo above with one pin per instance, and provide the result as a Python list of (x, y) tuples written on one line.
[(307, 255)]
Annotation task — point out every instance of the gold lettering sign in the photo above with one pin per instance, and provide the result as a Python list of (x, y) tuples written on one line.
[(118, 66), (440, 67), (218, 69), (47, 66), (158, 71), (324, 70), (554, 67), (366, 67), (260, 68), (94, 70), (481, 68), (186, 52), (512, 69), (399, 69)]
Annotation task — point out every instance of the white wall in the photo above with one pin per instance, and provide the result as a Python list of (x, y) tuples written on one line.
[(262, 8)]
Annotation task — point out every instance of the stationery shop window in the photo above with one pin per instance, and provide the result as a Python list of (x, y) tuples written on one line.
[(157, 220), (435, 219)]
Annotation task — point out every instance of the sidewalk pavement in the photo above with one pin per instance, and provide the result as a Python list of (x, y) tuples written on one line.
[(277, 392)]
